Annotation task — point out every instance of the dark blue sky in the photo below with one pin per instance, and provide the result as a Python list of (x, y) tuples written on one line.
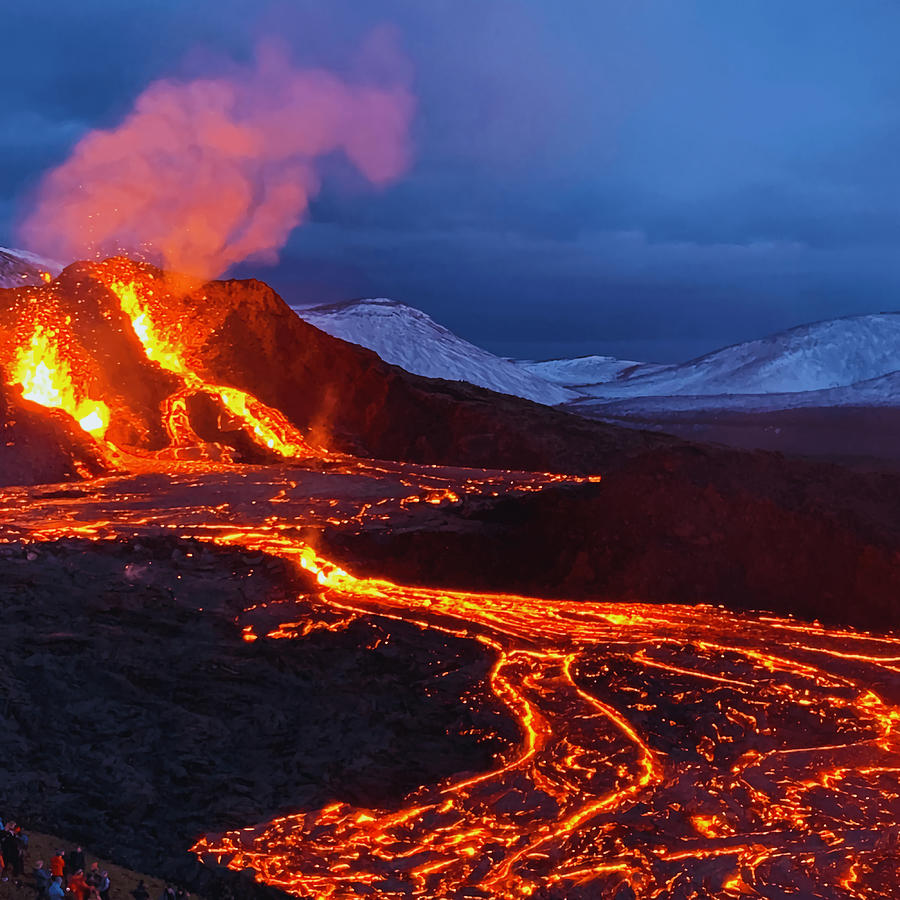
[(645, 178)]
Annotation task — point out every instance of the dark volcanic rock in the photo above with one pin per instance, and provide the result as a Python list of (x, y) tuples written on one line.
[(38, 445), (352, 400), (135, 718), (686, 525)]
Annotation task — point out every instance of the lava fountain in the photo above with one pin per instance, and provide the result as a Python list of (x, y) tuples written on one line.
[(46, 377)]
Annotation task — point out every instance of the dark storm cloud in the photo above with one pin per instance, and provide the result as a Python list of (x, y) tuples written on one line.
[(657, 174)]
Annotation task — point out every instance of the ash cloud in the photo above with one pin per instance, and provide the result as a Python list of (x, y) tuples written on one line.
[(204, 173)]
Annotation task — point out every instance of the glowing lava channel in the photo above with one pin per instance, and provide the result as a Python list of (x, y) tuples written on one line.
[(664, 751), (585, 802), (268, 427)]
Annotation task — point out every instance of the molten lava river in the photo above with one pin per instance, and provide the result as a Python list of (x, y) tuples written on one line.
[(664, 751)]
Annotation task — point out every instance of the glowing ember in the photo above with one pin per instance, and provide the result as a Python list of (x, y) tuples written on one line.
[(46, 378)]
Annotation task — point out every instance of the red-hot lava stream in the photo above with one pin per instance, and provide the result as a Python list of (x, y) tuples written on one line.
[(794, 780), (664, 751), (679, 751)]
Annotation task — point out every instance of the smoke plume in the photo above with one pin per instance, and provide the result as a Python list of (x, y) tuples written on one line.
[(202, 174)]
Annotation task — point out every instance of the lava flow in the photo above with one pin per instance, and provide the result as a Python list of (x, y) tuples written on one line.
[(679, 751), (268, 427), (670, 749), (46, 379), (663, 751)]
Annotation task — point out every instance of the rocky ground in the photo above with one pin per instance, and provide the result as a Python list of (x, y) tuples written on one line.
[(43, 846), (135, 718), (694, 524), (40, 445)]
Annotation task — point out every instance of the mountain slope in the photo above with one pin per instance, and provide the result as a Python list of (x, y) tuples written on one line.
[(845, 361), (873, 392), (585, 371), (816, 357), (242, 335), (409, 338), (19, 268), (838, 362)]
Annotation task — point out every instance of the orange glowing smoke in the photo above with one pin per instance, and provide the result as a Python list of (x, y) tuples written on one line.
[(205, 173), (46, 378)]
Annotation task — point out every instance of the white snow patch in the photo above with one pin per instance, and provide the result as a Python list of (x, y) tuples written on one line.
[(584, 371), (881, 391)]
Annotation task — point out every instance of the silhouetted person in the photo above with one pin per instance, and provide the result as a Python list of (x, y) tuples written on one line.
[(9, 850), (141, 892), (75, 861)]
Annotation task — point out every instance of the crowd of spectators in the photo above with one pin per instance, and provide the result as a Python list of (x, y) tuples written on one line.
[(66, 875)]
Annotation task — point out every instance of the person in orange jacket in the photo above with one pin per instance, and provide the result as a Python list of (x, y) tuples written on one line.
[(57, 865), (78, 886)]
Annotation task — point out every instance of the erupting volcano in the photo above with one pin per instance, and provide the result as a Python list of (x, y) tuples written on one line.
[(650, 743), (59, 365)]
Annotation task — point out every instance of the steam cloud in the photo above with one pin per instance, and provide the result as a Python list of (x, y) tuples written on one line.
[(203, 174)]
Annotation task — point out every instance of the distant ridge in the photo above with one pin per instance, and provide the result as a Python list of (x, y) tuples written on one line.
[(820, 356), (409, 338), (851, 360), (840, 361)]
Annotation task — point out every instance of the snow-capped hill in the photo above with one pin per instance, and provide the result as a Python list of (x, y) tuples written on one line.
[(584, 370), (874, 392), (411, 339), (816, 357), (19, 267), (881, 391)]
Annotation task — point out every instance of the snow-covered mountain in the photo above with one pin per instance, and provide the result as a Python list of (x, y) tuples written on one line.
[(847, 361), (409, 338), (816, 357), (19, 267), (873, 392), (582, 372)]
